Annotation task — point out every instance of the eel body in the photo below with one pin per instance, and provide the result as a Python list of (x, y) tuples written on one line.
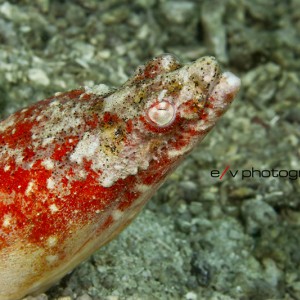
[(76, 168)]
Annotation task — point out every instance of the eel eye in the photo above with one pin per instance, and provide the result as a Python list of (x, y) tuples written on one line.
[(162, 113)]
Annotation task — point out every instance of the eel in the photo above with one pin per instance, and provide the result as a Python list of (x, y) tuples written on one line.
[(76, 168)]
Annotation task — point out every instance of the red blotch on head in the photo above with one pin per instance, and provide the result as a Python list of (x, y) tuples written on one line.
[(110, 118), (72, 94), (129, 126), (61, 149), (93, 121)]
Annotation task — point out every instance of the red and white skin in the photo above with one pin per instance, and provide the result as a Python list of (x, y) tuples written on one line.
[(75, 169)]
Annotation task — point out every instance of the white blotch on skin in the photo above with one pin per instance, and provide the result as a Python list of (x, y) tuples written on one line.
[(51, 258), (108, 181), (86, 148), (10, 121), (142, 188), (48, 164), (52, 241), (161, 95), (24, 110), (54, 103), (6, 168), (53, 208), (6, 221), (167, 61), (82, 173), (99, 90), (119, 167), (47, 141), (50, 183), (29, 188), (53, 115), (178, 152), (117, 214)]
